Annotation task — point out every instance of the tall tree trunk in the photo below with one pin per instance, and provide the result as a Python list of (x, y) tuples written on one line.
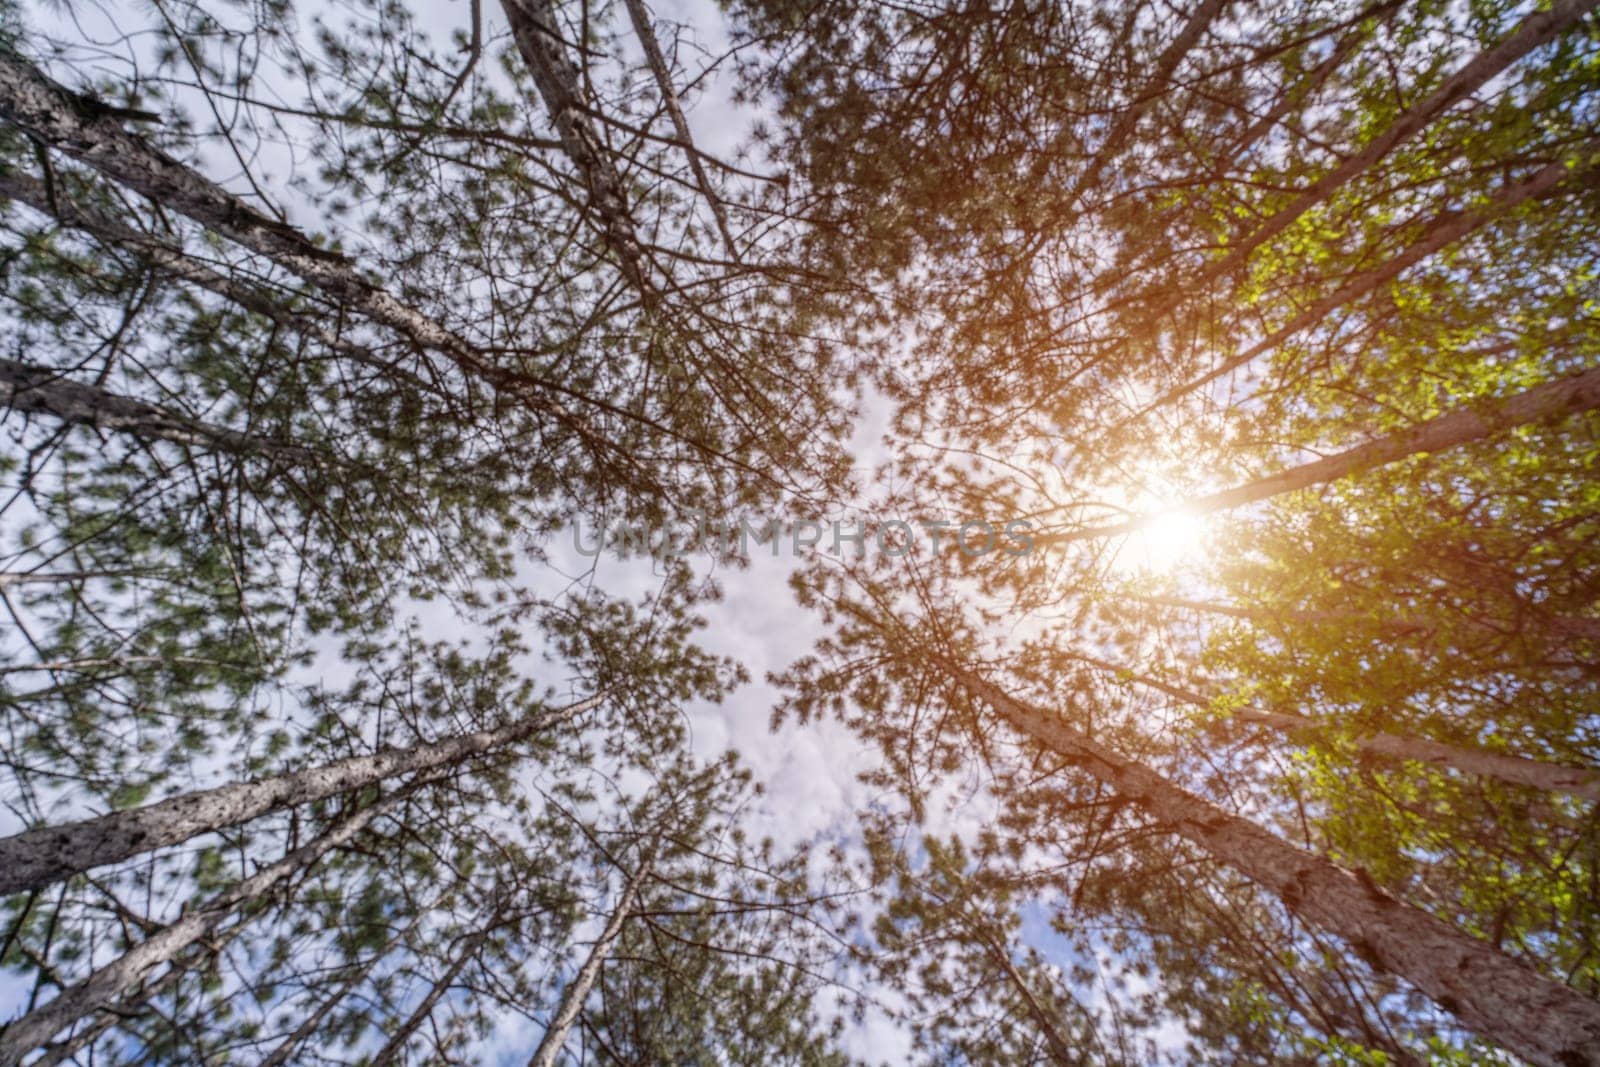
[(35, 390), (642, 28), (397, 1041), (1194, 27), (1565, 627), (1492, 994), (572, 998), (1540, 27), (1565, 396), (55, 116), (48, 854), (1445, 230), (128, 1006), (113, 981), (537, 32), (1514, 770), (313, 1022), (177, 263)]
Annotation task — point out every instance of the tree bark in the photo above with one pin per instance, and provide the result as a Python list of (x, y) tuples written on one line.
[(35, 390), (572, 998), (1565, 396), (397, 1042), (48, 854), (1506, 1001), (55, 116), (642, 28), (113, 981), (61, 1051), (537, 33), (175, 262), (1537, 29), (1515, 770)]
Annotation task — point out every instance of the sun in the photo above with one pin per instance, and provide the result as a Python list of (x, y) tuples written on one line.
[(1173, 539)]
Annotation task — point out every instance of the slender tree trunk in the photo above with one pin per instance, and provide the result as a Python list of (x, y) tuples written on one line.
[(537, 33), (1565, 627), (1514, 770), (1504, 1000), (1552, 400), (175, 262), (113, 981), (642, 28), (397, 1041), (311, 1023), (48, 854), (1445, 231), (110, 1016), (35, 390), (572, 998), (1537, 29), (1060, 1049), (55, 116)]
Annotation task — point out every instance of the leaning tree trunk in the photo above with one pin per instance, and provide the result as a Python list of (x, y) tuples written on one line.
[(112, 981), (38, 857), (1514, 770), (178, 264), (1496, 996), (128, 1007), (55, 116), (1537, 29), (397, 1041), (572, 998), (1565, 396), (538, 36), (1444, 231), (640, 17), (34, 390)]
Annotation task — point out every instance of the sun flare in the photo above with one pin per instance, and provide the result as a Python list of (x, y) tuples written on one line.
[(1172, 540)]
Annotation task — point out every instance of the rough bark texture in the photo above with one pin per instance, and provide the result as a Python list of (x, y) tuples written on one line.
[(34, 390), (560, 84), (48, 854), (112, 981), (555, 1035), (642, 28), (1537, 29), (128, 1006), (1552, 400), (1492, 994)]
